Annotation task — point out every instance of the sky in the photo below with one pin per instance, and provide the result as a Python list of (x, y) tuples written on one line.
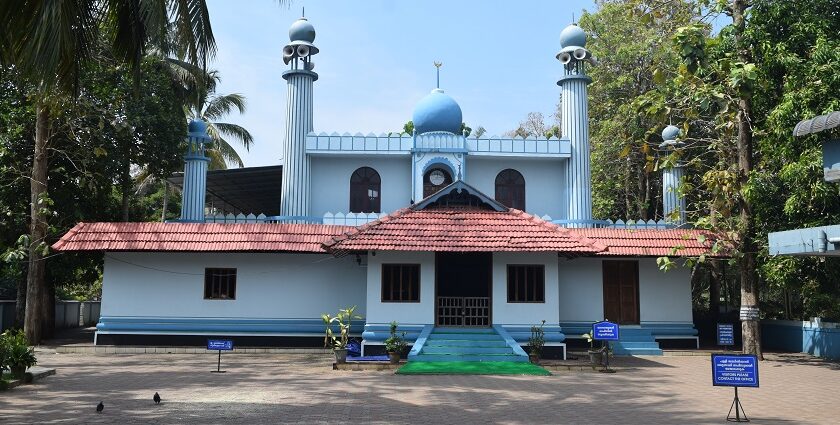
[(376, 61)]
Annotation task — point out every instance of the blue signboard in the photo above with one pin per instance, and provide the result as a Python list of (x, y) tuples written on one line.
[(605, 331), (734, 370), (220, 344), (725, 334)]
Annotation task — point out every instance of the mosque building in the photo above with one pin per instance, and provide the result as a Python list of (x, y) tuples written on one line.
[(444, 233)]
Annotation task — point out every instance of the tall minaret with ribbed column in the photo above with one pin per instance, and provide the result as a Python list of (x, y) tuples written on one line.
[(195, 173), (294, 201), (673, 203), (575, 126)]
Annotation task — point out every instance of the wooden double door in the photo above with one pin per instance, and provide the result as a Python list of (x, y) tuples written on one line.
[(621, 291)]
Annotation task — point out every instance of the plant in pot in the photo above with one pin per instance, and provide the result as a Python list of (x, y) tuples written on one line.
[(338, 340), (536, 342), (596, 357), (395, 345), (18, 354)]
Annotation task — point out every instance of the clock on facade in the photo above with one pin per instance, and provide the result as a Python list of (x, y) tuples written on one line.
[(437, 178)]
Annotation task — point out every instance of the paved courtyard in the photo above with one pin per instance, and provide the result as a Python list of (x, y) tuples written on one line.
[(303, 388)]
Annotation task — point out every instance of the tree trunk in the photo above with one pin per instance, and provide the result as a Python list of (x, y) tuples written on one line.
[(714, 287), (125, 189), (35, 283), (165, 200), (749, 279), (20, 306)]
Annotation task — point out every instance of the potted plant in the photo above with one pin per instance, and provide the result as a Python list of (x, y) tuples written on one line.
[(18, 354), (339, 341), (536, 342), (596, 357), (395, 345)]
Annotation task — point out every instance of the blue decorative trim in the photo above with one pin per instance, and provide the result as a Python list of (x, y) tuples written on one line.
[(420, 341), (441, 160), (459, 185), (522, 333), (287, 74), (574, 330), (378, 333), (510, 341), (199, 325), (565, 78)]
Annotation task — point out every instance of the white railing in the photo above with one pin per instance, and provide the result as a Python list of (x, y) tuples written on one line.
[(351, 219)]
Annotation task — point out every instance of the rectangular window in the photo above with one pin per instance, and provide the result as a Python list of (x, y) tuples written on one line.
[(219, 284), (401, 283), (526, 283)]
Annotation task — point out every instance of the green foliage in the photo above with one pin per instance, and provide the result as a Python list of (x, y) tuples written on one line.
[(395, 343), (15, 350), (342, 321)]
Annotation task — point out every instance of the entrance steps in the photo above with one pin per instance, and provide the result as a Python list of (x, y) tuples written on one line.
[(636, 342), (466, 345)]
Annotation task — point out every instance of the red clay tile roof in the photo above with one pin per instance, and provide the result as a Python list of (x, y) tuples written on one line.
[(655, 243), (191, 237), (460, 230)]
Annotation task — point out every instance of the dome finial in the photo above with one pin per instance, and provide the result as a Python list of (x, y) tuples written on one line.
[(437, 66)]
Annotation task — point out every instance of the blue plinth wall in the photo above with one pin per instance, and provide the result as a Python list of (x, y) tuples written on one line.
[(816, 338)]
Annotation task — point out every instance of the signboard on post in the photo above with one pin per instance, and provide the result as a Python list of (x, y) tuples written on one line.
[(725, 334), (220, 344), (605, 331), (735, 370)]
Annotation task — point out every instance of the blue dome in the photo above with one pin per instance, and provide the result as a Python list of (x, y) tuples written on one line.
[(572, 36), (302, 30), (198, 128), (670, 132), (437, 112)]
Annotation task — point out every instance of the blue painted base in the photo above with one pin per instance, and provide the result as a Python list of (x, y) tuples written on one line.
[(636, 340)]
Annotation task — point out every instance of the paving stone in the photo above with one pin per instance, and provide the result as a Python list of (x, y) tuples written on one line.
[(293, 388)]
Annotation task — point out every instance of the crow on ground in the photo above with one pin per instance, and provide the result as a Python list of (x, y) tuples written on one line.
[(156, 398), (100, 407)]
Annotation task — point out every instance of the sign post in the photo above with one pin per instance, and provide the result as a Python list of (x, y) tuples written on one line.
[(725, 335), (735, 370), (221, 345), (605, 331)]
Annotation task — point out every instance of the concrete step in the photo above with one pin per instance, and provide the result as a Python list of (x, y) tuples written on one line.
[(465, 343), (464, 331), (464, 336), (469, 358), (466, 350), (638, 352)]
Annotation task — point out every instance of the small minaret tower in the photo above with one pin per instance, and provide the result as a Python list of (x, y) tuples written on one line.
[(300, 78), (575, 122), (195, 173), (672, 200)]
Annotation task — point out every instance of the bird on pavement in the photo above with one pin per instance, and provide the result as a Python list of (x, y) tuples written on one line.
[(156, 398), (100, 407)]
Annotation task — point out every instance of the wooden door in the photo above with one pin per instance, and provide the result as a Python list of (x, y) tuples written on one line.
[(621, 291)]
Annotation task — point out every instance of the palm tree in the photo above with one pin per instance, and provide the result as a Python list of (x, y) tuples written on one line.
[(49, 42), (210, 108)]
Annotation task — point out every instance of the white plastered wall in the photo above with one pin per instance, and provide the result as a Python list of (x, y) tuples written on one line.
[(413, 313), (330, 183), (299, 286), (545, 187), (663, 296), (525, 314)]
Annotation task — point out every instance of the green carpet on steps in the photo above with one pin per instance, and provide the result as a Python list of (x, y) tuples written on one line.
[(471, 368)]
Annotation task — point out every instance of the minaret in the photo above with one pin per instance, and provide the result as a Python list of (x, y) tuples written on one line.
[(575, 123), (672, 200), (294, 201), (195, 173)]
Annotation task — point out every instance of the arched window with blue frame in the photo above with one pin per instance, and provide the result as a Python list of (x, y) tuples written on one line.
[(510, 189), (365, 191)]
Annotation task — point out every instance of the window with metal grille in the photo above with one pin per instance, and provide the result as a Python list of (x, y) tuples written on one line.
[(401, 283), (526, 283), (365, 188), (510, 189), (219, 284)]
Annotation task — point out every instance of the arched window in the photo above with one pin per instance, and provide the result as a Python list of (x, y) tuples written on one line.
[(434, 180), (365, 191), (510, 189)]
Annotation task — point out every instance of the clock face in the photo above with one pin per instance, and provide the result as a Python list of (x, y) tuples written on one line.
[(437, 178)]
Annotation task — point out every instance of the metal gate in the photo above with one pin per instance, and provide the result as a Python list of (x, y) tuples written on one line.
[(463, 311)]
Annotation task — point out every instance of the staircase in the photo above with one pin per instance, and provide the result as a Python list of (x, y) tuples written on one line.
[(636, 342), (466, 345)]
